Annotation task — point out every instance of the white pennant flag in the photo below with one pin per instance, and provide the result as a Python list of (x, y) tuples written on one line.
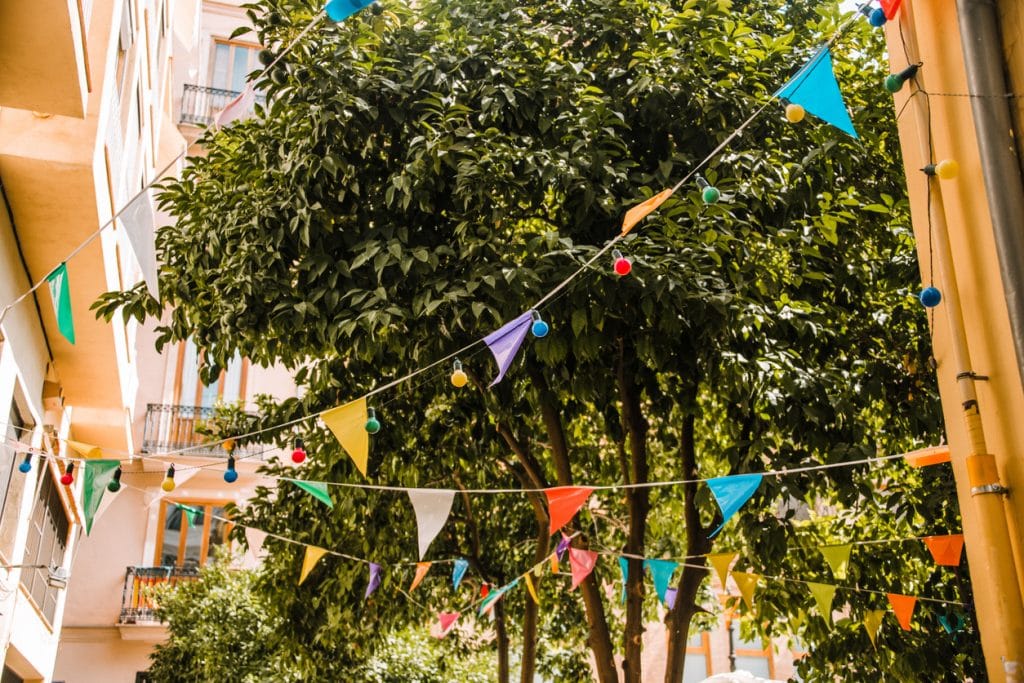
[(255, 538), (140, 226), (432, 507), (237, 109)]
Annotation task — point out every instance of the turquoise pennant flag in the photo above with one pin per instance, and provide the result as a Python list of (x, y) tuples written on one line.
[(340, 10), (731, 493), (60, 292), (317, 489), (624, 566), (495, 595), (815, 89), (661, 574), (458, 571)]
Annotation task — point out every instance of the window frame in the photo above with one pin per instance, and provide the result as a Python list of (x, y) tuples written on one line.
[(207, 505), (252, 62), (32, 575)]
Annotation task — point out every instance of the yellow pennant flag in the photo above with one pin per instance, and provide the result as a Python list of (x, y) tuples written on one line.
[(85, 450), (533, 591), (721, 563), (313, 555), (823, 595), (421, 571), (348, 422), (637, 213), (838, 557), (872, 621), (746, 583)]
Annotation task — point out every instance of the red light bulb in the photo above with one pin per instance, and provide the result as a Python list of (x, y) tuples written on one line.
[(299, 454), (68, 478), (622, 264)]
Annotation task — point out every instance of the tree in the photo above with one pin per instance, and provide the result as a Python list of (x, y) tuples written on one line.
[(422, 175)]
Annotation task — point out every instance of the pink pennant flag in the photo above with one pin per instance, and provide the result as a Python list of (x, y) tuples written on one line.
[(237, 109), (447, 621), (564, 502), (582, 562)]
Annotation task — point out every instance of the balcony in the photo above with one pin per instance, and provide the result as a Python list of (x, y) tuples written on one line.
[(199, 104), (172, 428), (137, 607)]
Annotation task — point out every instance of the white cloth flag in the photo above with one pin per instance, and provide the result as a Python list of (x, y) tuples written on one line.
[(432, 507), (237, 109), (255, 537), (140, 225)]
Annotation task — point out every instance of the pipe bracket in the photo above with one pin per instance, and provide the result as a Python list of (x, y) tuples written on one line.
[(989, 488)]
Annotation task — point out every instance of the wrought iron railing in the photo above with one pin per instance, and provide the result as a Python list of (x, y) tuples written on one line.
[(137, 605), (172, 429), (199, 104)]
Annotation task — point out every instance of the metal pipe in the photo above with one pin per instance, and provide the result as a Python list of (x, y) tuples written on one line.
[(993, 124)]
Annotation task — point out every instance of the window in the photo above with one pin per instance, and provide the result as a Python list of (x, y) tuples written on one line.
[(697, 666), (47, 541), (229, 387), (751, 655), (17, 430), (231, 63), (185, 542)]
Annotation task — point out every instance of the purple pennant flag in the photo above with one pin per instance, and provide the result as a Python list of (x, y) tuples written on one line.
[(505, 342), (563, 545), (374, 579), (670, 598)]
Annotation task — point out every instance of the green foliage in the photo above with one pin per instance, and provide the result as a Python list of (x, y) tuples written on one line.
[(412, 656), (422, 174)]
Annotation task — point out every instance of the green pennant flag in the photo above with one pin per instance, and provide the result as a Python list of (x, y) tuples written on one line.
[(317, 489), (190, 512), (61, 295), (98, 473)]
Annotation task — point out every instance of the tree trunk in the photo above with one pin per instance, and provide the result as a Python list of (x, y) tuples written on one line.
[(599, 638), (502, 638), (638, 502), (697, 545), (531, 615)]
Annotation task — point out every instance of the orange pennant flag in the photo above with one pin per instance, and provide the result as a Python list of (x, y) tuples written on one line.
[(721, 563), (421, 571), (309, 560), (903, 606), (746, 583), (533, 591), (923, 457), (564, 502), (946, 550), (86, 450), (554, 563), (637, 213), (348, 423), (873, 620)]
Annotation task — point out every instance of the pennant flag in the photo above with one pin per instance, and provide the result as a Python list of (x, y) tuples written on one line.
[(936, 455), (746, 582), (563, 504), (504, 342), (317, 489), (563, 544), (340, 10), (554, 563), (624, 566), (661, 574), (495, 595), (947, 623), (348, 423), (838, 558), (421, 571), (98, 473), (533, 591), (890, 7), (140, 225), (638, 212), (191, 513), (946, 550), (582, 562), (721, 562), (60, 292), (237, 109), (458, 571), (731, 493), (872, 621), (814, 87), (254, 539), (84, 449), (903, 606), (375, 575), (823, 595), (670, 598), (431, 507), (312, 556), (447, 621)]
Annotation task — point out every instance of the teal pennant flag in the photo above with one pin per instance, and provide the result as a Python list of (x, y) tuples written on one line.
[(814, 87), (60, 292)]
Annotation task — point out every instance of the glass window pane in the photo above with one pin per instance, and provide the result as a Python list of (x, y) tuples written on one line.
[(194, 540), (755, 665), (233, 380), (220, 66), (172, 535), (189, 374), (208, 399), (695, 668), (218, 533), (239, 68)]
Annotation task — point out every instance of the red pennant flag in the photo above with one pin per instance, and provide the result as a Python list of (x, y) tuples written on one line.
[(582, 562), (946, 550), (903, 606), (564, 502), (447, 620), (890, 7)]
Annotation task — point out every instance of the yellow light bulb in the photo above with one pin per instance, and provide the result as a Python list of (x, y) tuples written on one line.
[(459, 378), (167, 485), (947, 169), (795, 113)]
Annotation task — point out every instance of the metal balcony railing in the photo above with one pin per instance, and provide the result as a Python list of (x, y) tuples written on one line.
[(172, 428), (136, 603), (199, 104)]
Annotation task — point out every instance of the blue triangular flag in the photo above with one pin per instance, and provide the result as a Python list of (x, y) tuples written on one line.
[(340, 10), (624, 566), (814, 87), (661, 574), (731, 493), (459, 571)]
